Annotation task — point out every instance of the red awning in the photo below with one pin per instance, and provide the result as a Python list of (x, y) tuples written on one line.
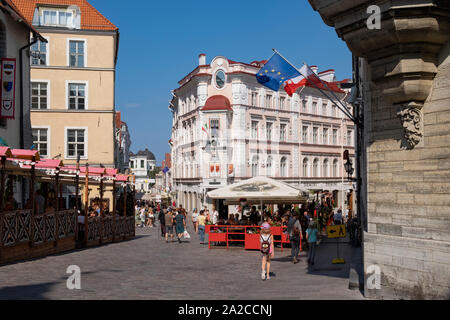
[(25, 154)]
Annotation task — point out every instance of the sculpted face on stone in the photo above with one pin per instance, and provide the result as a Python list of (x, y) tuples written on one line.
[(411, 119)]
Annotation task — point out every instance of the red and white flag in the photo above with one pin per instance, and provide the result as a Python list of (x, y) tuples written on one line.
[(309, 79)]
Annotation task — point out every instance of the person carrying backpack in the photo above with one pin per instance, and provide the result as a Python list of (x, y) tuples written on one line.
[(266, 250)]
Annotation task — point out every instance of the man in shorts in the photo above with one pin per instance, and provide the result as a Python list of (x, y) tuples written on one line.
[(169, 222)]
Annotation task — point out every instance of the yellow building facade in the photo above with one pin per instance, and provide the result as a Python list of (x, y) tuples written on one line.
[(73, 82)]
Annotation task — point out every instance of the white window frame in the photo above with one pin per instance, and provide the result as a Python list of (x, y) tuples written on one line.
[(282, 102), (269, 173), (47, 57), (86, 143), (211, 127), (254, 97), (255, 166), (305, 170), (326, 169), (48, 93), (334, 138), (315, 136), (86, 103), (327, 129), (48, 128), (283, 139), (269, 101), (285, 172), (349, 137), (269, 124), (217, 70), (254, 136), (305, 134), (85, 51)]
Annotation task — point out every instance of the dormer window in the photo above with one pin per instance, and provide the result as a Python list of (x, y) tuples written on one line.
[(57, 17)]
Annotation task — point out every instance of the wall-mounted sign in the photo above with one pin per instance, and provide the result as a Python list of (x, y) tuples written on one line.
[(8, 83)]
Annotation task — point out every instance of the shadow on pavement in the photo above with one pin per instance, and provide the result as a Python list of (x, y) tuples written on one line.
[(31, 292)]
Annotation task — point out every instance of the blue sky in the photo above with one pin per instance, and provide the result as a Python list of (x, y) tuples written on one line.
[(160, 42)]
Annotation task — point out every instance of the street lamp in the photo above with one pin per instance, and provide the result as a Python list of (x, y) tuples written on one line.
[(348, 166)]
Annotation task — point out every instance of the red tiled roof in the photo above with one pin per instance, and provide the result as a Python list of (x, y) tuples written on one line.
[(217, 102), (91, 19), (13, 6)]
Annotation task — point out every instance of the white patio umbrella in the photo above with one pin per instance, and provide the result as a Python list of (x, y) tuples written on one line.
[(259, 190)]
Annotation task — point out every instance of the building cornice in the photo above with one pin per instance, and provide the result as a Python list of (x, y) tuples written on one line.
[(65, 68)]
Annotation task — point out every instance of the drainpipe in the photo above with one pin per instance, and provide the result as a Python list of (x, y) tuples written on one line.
[(34, 40), (21, 122)]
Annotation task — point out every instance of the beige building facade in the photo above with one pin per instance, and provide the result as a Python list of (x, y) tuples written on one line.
[(73, 82)]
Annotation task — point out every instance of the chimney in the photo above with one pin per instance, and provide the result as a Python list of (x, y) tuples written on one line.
[(201, 59), (314, 69)]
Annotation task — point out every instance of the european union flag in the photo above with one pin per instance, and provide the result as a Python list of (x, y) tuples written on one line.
[(165, 170), (275, 72)]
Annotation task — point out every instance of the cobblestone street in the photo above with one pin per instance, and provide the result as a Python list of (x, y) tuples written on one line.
[(149, 268)]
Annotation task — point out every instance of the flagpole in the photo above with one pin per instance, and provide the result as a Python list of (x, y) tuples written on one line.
[(339, 107)]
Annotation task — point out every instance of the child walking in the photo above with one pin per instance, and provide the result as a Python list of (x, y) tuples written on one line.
[(266, 250)]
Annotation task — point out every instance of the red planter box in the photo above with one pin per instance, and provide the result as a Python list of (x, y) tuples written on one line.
[(217, 237), (252, 241), (276, 231)]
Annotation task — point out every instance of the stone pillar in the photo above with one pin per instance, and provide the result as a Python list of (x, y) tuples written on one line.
[(405, 87)]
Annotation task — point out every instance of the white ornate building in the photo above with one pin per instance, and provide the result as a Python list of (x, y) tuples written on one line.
[(141, 164), (227, 127)]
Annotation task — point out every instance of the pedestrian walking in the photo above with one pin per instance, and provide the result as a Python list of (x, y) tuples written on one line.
[(338, 217), (295, 234), (267, 250), (180, 221), (195, 220), (311, 237), (162, 221), (151, 217), (169, 223), (201, 226), (142, 217)]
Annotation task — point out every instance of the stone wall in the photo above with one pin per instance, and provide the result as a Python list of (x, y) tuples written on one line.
[(409, 196), (406, 148)]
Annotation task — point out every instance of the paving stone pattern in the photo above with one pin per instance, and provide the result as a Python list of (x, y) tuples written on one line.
[(149, 268)]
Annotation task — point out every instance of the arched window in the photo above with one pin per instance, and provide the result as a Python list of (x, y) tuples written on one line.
[(325, 168), (305, 167), (315, 168), (269, 171), (283, 167), (255, 161), (335, 167)]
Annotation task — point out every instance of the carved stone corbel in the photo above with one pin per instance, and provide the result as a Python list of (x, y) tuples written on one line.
[(410, 115)]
